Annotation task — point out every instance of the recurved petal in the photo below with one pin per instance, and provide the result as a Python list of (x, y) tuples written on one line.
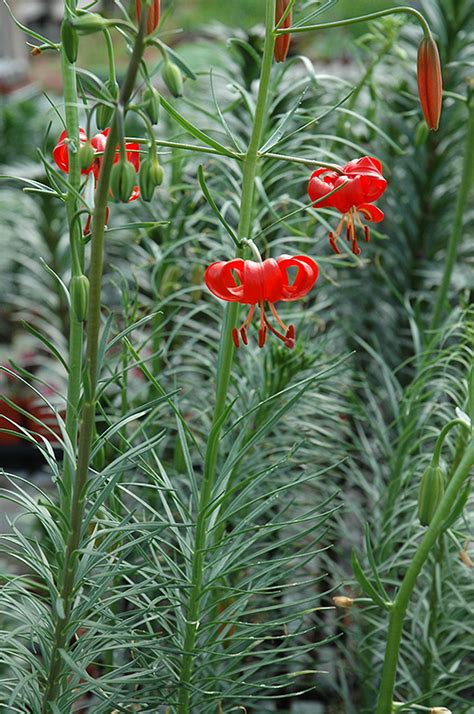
[(371, 213), (220, 279), (307, 273)]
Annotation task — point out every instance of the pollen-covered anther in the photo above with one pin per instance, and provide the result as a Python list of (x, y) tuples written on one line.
[(355, 247), (366, 234), (262, 336), (243, 335)]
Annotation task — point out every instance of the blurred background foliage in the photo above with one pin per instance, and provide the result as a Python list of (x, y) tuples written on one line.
[(360, 436)]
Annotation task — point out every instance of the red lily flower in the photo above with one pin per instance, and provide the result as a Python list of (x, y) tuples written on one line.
[(253, 283), (364, 184), (153, 16), (98, 143)]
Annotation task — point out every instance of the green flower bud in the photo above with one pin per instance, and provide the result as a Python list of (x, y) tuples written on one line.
[(123, 180), (69, 40), (151, 175), (172, 78), (88, 23), (421, 134), (104, 112), (430, 493), (79, 290), (86, 156), (151, 104)]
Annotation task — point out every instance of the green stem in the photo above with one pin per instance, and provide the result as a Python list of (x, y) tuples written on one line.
[(436, 580), (224, 365), (467, 181), (400, 605), (361, 18), (76, 327), (68, 586)]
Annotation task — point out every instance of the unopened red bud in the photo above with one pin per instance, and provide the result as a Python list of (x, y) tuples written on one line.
[(282, 42), (153, 14), (430, 83), (343, 601)]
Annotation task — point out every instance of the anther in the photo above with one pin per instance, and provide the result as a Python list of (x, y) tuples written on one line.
[(235, 337), (243, 334), (290, 333), (366, 233), (262, 336), (332, 243), (355, 247)]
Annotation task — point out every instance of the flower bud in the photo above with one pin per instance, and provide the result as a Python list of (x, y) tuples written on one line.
[(86, 156), (153, 14), (282, 42), (122, 180), (343, 601), (172, 78), (421, 133), (430, 83), (69, 40), (104, 112), (430, 493), (88, 23), (151, 104), (79, 290), (151, 176)]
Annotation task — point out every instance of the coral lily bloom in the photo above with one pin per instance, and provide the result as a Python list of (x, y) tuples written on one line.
[(98, 143), (363, 184), (255, 283)]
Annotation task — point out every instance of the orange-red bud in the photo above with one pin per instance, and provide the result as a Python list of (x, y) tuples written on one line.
[(282, 42), (153, 16), (430, 83)]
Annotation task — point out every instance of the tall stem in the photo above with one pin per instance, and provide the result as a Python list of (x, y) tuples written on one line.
[(224, 365), (467, 182), (68, 586), (400, 605), (76, 327)]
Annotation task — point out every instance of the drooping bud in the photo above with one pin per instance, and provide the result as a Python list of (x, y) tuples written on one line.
[(343, 601), (430, 82), (88, 23), (153, 14), (86, 156), (430, 493), (69, 40), (79, 290), (104, 112), (282, 42), (172, 78), (150, 176), (122, 180), (151, 104)]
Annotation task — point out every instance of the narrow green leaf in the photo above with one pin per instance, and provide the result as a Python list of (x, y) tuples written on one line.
[(194, 131), (364, 583), (214, 207)]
